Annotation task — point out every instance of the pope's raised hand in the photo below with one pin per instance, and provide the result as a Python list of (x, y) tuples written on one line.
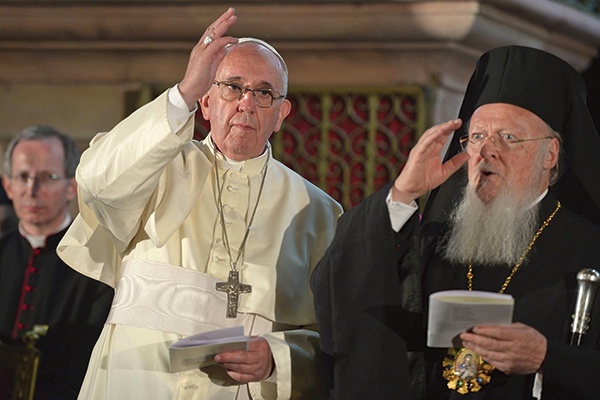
[(206, 57), (424, 170)]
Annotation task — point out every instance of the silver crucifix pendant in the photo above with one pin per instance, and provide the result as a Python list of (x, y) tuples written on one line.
[(233, 288)]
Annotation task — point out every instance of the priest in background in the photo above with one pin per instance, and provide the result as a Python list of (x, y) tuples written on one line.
[(37, 287)]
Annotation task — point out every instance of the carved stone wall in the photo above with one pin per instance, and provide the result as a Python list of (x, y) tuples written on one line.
[(69, 63), (75, 63)]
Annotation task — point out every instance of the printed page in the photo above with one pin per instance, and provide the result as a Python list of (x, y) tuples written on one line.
[(454, 311), (199, 350)]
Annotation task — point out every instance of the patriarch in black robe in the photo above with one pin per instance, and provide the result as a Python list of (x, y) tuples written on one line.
[(374, 280)]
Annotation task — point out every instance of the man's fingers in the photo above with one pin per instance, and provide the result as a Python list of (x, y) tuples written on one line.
[(218, 28)]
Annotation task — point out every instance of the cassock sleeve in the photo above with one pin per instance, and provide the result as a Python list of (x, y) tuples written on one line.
[(574, 372), (367, 291), (125, 181)]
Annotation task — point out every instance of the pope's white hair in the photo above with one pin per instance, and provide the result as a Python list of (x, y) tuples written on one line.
[(267, 46)]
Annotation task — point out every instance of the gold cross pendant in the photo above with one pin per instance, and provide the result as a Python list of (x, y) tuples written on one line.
[(233, 288)]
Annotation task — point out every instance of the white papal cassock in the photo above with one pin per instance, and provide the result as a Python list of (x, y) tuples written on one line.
[(149, 227)]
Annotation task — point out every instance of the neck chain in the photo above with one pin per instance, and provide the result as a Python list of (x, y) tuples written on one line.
[(263, 172), (521, 259)]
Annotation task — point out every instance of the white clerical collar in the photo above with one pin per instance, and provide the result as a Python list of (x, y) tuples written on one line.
[(536, 201), (233, 164), (37, 241)]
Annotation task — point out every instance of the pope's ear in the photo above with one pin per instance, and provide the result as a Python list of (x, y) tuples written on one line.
[(284, 110), (204, 106)]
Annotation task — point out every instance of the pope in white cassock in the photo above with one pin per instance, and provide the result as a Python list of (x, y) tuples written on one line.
[(196, 236)]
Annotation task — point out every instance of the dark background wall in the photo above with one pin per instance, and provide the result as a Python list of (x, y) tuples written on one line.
[(592, 78)]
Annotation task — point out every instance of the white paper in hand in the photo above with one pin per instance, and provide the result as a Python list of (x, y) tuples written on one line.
[(454, 311), (199, 350)]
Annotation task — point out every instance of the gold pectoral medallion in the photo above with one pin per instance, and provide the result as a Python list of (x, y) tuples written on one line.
[(465, 370)]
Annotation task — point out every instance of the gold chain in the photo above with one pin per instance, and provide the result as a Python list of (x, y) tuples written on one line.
[(521, 259)]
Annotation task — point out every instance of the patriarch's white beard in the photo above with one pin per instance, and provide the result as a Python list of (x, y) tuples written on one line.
[(500, 231), (491, 234)]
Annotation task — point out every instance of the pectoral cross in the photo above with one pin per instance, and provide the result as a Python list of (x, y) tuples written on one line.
[(233, 288)]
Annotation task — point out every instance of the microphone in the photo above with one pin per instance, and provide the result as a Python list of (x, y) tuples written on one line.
[(588, 280)]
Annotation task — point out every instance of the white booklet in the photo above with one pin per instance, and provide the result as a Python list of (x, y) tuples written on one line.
[(454, 311), (199, 350)]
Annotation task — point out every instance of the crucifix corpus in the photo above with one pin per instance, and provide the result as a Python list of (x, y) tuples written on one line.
[(233, 288)]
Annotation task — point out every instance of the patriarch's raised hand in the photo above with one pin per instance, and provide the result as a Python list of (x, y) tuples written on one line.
[(424, 170)]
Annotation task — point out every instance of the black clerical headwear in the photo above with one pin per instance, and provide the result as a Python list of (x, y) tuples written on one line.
[(550, 88)]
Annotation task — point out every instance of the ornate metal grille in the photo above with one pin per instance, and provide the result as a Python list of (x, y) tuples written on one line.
[(348, 142)]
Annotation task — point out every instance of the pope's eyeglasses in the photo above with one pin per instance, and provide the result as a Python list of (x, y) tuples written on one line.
[(502, 141), (43, 180), (264, 97)]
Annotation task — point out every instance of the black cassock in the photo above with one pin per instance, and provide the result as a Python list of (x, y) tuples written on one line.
[(544, 286), (545, 291), (367, 290), (367, 295), (36, 287)]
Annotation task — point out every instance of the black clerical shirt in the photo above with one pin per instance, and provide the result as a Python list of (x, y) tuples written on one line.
[(36, 287)]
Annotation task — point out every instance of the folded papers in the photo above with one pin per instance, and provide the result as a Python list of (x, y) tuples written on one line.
[(454, 311), (199, 350)]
